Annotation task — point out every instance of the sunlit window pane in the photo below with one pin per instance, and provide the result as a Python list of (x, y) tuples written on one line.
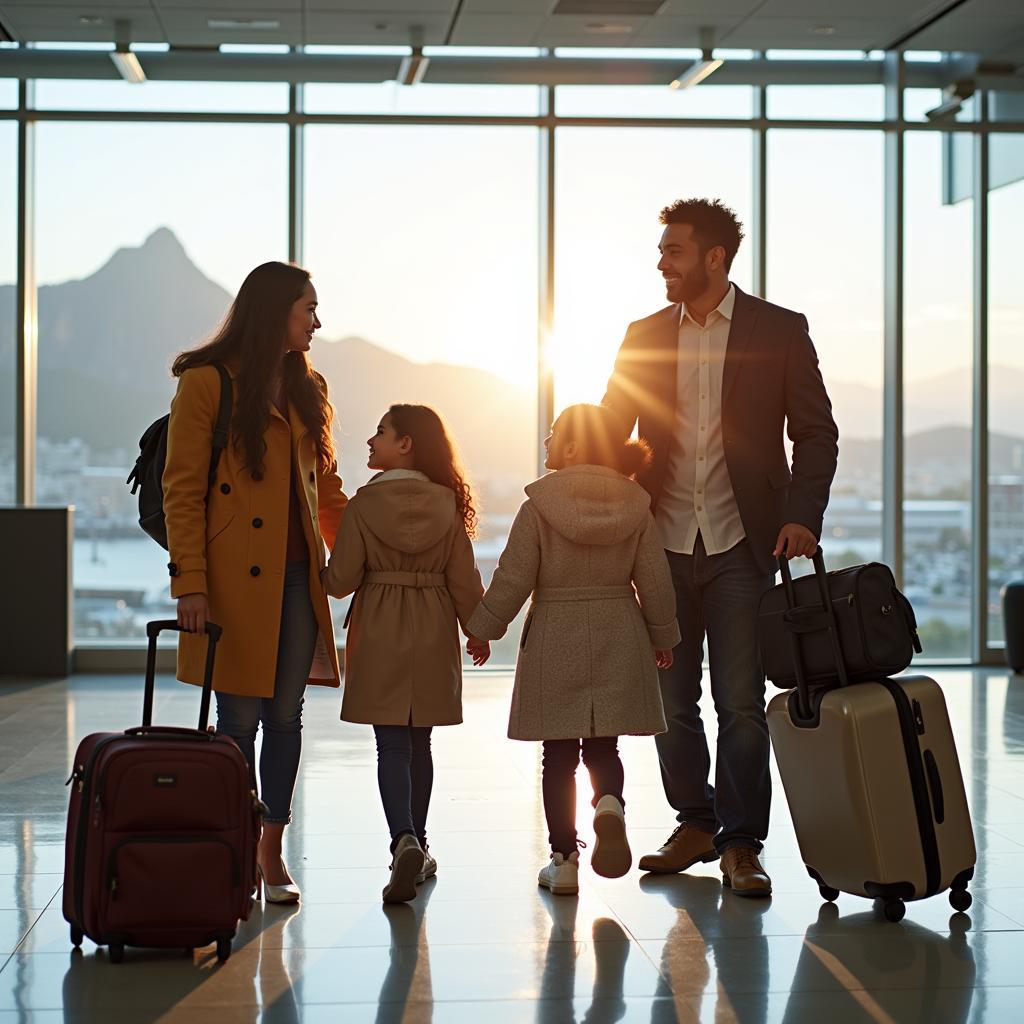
[(938, 360), (139, 253), (205, 97), (825, 260), (8, 275), (423, 245), (653, 101), (1005, 376), (612, 184)]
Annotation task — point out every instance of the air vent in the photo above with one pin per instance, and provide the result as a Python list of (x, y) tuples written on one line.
[(609, 8)]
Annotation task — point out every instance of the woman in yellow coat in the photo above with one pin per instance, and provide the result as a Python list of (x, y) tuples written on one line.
[(246, 551)]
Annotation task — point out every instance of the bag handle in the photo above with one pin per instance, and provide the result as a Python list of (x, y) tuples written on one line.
[(825, 618), (153, 630)]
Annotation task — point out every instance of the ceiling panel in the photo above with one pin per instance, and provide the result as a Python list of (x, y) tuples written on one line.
[(990, 27), (727, 9), (684, 32), (511, 7), (897, 12), (265, 7), (497, 29), (761, 33), (371, 28), (63, 24), (370, 9), (581, 30), (190, 26)]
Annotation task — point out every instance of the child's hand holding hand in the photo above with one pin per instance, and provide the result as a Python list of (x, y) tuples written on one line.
[(663, 658), (478, 650)]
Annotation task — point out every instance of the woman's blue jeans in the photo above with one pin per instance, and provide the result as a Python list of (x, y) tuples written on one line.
[(281, 715)]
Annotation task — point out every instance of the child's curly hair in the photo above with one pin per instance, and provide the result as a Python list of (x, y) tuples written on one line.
[(434, 454)]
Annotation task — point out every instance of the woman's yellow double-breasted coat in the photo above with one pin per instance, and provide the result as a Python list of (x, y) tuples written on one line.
[(228, 540)]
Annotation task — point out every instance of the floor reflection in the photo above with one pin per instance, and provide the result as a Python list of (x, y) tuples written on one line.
[(690, 960), (856, 956), (408, 974), (611, 949), (643, 948)]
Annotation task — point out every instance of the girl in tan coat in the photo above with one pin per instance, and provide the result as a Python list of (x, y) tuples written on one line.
[(404, 550), (602, 621)]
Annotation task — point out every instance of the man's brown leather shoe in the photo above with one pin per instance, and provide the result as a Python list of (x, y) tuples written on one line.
[(742, 872), (684, 848)]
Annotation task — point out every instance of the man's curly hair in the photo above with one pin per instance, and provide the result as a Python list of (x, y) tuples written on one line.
[(712, 221)]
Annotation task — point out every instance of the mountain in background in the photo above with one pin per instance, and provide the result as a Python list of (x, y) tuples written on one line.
[(107, 341)]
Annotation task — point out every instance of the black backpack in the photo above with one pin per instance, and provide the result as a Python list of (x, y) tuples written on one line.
[(147, 476)]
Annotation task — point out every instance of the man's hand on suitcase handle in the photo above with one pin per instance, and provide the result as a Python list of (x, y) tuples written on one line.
[(193, 611), (795, 540)]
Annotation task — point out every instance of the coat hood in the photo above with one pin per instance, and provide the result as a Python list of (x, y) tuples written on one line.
[(405, 510), (590, 504)]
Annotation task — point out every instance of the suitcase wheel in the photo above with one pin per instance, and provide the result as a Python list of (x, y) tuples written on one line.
[(828, 893), (960, 899), (223, 948), (894, 910), (77, 935), (115, 951)]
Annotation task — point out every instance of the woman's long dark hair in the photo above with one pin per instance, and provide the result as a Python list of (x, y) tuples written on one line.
[(251, 338), (603, 438), (434, 455)]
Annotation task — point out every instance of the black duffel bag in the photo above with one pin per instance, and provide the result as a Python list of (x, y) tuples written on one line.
[(855, 616)]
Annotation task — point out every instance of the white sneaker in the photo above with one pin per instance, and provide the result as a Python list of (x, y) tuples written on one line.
[(612, 857), (406, 864), (428, 870), (562, 875)]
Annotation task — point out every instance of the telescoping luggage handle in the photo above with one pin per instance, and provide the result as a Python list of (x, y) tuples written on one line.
[(826, 616), (153, 630)]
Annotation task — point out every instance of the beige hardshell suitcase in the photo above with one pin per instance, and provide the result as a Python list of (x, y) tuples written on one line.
[(873, 783)]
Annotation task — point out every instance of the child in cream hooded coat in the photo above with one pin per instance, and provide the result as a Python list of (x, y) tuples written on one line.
[(602, 620)]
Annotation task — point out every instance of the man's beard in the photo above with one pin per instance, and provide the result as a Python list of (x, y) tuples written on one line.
[(693, 284)]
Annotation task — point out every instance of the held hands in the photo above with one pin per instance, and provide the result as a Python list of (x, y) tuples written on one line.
[(478, 650), (663, 658), (795, 540), (193, 611)]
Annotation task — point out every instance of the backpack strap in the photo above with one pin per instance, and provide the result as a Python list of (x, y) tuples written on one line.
[(223, 424)]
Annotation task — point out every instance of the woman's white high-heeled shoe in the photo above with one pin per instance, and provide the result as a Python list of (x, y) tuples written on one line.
[(276, 893)]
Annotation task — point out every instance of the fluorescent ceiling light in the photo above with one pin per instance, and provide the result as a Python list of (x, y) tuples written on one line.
[(413, 67), (128, 66), (257, 23), (701, 69), (696, 74)]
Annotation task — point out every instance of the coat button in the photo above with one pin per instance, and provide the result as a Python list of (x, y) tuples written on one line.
[(225, 488), (254, 571), (312, 477), (257, 523)]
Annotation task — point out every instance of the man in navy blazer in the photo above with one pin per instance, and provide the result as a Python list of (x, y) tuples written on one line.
[(715, 380)]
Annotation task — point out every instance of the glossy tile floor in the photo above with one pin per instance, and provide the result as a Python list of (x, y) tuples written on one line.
[(481, 943)]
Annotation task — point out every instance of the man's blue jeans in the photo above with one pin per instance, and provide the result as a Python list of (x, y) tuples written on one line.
[(717, 596)]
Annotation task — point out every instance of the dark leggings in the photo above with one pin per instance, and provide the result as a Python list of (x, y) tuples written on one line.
[(561, 758), (405, 775)]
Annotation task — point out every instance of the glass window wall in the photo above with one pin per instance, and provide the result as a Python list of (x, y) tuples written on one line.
[(824, 259), (139, 254), (937, 409), (423, 242)]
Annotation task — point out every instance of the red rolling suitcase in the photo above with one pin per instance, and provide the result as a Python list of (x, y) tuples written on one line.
[(873, 781), (162, 831)]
